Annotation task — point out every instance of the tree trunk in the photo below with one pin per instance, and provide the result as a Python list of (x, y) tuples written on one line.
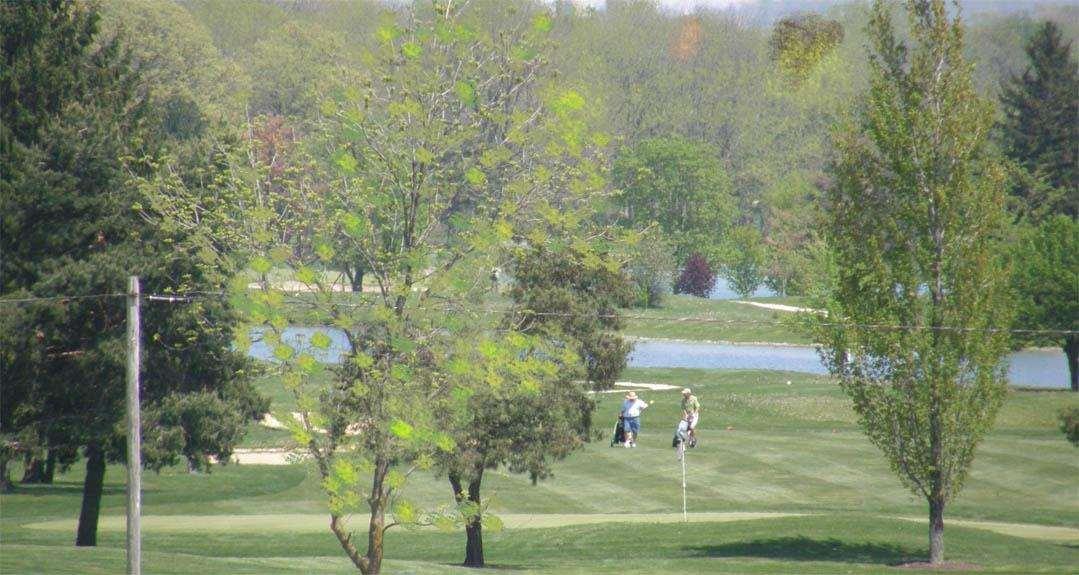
[(936, 483), (355, 277), (936, 532), (374, 539), (5, 481), (474, 525), (376, 528), (936, 417), (34, 471), (91, 497), (50, 468), (1071, 347), (371, 562), (345, 539)]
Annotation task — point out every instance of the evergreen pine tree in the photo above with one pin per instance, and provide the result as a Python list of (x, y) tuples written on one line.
[(76, 135), (1041, 126)]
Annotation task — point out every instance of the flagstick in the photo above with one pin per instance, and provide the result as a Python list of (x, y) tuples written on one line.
[(682, 446)]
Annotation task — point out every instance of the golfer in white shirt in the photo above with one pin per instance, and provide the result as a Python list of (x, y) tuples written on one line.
[(631, 417)]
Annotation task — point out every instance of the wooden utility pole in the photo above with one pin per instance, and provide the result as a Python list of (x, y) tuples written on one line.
[(134, 439)]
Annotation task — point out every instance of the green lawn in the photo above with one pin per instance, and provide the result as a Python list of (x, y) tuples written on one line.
[(767, 447), (692, 318), (680, 316)]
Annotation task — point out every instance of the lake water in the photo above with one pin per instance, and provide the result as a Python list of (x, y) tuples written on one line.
[(723, 291), (1046, 369), (1029, 368)]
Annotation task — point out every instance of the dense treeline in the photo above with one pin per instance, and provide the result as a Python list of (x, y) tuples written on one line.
[(760, 90)]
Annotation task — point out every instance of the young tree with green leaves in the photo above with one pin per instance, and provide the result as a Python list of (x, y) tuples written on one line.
[(453, 148), (744, 260), (916, 326), (1041, 125), (78, 143), (1046, 282), (651, 265)]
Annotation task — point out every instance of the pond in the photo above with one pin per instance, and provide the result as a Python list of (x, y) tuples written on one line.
[(1028, 368), (722, 290), (1047, 369)]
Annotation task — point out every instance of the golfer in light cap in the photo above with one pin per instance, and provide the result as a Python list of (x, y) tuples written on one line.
[(631, 417), (691, 412)]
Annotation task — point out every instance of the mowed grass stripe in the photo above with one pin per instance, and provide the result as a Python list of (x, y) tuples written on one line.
[(1042, 475), (795, 474), (815, 544), (630, 480), (318, 523)]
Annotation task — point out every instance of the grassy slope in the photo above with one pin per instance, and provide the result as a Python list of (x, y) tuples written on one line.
[(792, 449), (724, 321)]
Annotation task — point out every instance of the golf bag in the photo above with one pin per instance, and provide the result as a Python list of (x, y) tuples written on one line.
[(681, 433), (619, 433)]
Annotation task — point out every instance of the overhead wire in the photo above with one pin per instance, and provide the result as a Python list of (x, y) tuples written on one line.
[(188, 297)]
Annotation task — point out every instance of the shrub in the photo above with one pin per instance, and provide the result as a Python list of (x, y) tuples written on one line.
[(697, 277)]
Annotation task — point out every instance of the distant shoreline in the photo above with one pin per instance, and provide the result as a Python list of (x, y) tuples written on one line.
[(773, 343), (718, 341)]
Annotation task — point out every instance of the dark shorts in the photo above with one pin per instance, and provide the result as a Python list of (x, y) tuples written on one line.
[(631, 424)]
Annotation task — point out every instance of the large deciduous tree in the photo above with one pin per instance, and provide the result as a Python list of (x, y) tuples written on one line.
[(679, 185), (916, 330), (572, 296), (77, 140), (1041, 125), (453, 149)]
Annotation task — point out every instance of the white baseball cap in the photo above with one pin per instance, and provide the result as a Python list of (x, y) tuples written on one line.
[(686, 390)]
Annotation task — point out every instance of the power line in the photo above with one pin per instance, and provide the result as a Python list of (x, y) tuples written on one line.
[(60, 298), (189, 297)]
